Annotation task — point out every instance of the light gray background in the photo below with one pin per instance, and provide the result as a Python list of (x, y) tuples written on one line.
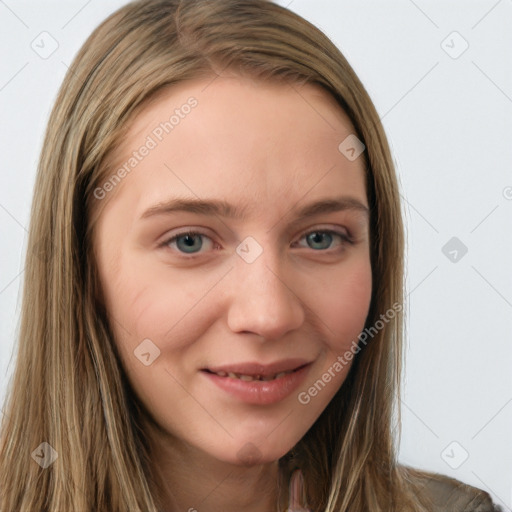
[(449, 121)]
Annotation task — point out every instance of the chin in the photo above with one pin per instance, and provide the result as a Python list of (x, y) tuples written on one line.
[(249, 453)]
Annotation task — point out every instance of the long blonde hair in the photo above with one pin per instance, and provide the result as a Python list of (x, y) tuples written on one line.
[(68, 389)]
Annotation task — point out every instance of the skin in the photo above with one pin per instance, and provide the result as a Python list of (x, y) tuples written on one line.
[(274, 148)]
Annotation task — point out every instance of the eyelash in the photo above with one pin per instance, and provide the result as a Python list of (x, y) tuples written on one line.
[(346, 239)]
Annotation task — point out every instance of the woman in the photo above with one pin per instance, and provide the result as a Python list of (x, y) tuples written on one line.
[(259, 372)]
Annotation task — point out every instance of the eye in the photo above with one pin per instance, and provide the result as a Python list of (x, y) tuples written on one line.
[(189, 242), (322, 239)]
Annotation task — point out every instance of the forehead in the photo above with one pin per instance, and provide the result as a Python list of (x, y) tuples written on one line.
[(248, 139), (228, 99)]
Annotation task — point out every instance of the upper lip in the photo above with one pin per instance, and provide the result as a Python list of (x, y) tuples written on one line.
[(255, 368)]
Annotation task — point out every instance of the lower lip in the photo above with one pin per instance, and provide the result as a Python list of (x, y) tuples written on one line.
[(260, 392)]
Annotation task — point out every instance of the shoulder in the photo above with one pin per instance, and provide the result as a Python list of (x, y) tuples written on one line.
[(444, 493)]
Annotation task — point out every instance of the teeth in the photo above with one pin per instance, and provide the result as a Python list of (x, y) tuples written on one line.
[(249, 378)]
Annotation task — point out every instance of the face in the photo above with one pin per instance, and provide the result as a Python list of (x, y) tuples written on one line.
[(270, 284)]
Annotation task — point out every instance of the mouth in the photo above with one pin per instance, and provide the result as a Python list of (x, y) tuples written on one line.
[(249, 378), (256, 371), (257, 384)]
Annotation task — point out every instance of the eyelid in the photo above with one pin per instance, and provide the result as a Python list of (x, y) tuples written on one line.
[(339, 230), (190, 231), (345, 236), (306, 231)]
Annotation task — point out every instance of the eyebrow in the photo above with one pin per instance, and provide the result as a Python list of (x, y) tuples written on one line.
[(225, 209)]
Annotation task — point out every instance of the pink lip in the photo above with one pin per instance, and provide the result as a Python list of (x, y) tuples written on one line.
[(260, 392), (260, 369)]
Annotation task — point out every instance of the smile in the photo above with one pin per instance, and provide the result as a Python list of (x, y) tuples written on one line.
[(249, 378), (257, 385)]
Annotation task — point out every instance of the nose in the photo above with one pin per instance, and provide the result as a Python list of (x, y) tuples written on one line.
[(263, 298)]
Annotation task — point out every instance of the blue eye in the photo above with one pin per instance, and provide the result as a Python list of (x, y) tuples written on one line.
[(323, 237), (191, 242)]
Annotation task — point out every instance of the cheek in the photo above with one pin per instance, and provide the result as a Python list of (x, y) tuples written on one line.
[(146, 301), (342, 301), (343, 307)]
